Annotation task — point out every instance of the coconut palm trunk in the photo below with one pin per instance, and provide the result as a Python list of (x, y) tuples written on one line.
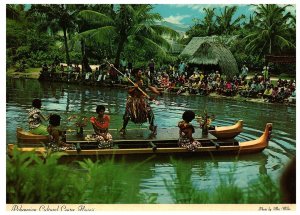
[(85, 62), (66, 45), (120, 48)]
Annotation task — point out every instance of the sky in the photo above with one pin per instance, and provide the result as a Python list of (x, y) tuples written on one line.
[(182, 15)]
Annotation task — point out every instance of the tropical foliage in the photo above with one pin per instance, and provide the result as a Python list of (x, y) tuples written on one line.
[(131, 24), (269, 30), (89, 33), (55, 18), (213, 24), (273, 32)]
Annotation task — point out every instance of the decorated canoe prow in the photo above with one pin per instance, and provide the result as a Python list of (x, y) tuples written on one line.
[(26, 137), (228, 132), (148, 146)]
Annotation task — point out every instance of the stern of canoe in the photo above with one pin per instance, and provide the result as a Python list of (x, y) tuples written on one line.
[(259, 144), (25, 137)]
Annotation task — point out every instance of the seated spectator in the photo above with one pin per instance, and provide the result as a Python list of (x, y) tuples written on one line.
[(76, 71), (220, 86), (203, 89), (181, 79), (88, 75), (62, 71), (70, 71), (194, 76), (243, 89), (52, 69), (292, 98), (165, 81), (217, 75), (228, 91), (97, 73), (254, 89), (274, 94), (279, 83), (267, 93), (280, 96), (201, 76)]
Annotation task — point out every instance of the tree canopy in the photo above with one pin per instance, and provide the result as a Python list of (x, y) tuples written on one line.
[(89, 33)]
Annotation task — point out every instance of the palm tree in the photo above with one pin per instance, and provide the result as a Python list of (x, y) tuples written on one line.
[(209, 24), (272, 31), (128, 23), (56, 17), (225, 22), (205, 27)]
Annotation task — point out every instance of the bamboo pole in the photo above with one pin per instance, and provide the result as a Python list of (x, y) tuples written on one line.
[(144, 93)]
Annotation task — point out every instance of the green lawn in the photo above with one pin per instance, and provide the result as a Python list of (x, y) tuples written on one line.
[(29, 72)]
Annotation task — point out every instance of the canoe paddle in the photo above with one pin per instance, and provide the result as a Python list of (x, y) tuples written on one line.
[(143, 92)]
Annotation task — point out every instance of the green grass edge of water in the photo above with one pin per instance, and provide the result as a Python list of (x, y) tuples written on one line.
[(30, 179)]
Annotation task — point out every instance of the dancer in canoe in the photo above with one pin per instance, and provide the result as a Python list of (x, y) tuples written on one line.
[(137, 106)]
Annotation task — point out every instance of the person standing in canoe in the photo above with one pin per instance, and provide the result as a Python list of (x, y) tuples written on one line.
[(186, 131), (35, 118), (101, 125), (137, 107)]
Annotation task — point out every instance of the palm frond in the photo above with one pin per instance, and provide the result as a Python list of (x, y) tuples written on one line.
[(154, 46), (96, 17), (100, 35), (164, 30), (284, 42)]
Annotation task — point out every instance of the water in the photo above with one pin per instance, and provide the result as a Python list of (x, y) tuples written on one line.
[(206, 171)]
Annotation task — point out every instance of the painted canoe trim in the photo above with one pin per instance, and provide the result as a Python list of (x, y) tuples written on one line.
[(251, 146), (228, 132)]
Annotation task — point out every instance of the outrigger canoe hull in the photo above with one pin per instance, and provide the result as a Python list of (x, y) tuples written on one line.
[(228, 132), (222, 133), (26, 137), (208, 146)]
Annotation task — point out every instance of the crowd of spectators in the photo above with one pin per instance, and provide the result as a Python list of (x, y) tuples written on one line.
[(181, 78)]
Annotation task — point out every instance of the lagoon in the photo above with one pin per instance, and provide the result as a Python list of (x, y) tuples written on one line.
[(205, 171)]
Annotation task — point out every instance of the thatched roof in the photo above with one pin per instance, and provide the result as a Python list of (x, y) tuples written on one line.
[(210, 51)]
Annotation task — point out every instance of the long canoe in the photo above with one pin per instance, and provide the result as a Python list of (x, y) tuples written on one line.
[(223, 132), (228, 132), (129, 147)]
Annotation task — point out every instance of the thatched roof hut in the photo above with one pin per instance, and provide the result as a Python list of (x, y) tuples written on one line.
[(210, 51)]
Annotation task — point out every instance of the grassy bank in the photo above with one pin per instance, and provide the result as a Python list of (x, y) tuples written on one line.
[(35, 72), (32, 73)]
